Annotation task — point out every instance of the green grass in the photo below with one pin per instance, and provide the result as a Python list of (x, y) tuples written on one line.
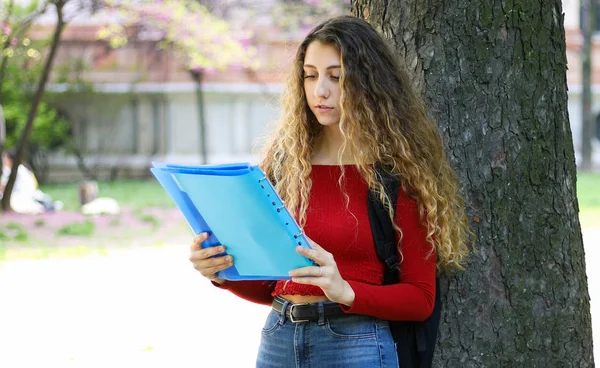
[(13, 231), (588, 190), (588, 194), (141, 194), (135, 194), (78, 229), (150, 219)]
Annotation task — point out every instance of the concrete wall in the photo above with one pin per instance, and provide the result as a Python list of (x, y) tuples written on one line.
[(121, 133)]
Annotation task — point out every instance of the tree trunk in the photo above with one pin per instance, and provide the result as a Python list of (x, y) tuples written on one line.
[(494, 76), (197, 76), (587, 120), (41, 87)]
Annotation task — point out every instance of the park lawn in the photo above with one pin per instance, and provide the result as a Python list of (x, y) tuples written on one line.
[(140, 194), (588, 194), (150, 217), (134, 194)]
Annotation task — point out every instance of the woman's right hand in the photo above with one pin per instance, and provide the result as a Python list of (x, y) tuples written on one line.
[(202, 261)]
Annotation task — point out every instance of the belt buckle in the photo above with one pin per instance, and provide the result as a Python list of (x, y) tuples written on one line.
[(292, 314)]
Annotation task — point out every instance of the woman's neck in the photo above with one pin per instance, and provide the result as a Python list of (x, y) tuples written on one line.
[(327, 148)]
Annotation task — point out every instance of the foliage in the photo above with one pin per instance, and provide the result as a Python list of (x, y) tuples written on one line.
[(51, 131), (23, 62), (204, 40), (15, 17)]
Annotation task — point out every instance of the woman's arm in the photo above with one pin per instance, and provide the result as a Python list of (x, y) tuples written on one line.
[(414, 297), (255, 291)]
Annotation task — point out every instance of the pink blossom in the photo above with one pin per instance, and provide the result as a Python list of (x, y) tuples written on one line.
[(245, 42), (6, 29)]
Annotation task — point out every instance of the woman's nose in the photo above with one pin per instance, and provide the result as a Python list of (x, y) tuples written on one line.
[(321, 89)]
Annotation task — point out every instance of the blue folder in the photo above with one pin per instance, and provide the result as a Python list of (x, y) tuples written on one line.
[(239, 208)]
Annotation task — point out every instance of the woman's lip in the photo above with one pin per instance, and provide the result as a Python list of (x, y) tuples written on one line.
[(323, 109)]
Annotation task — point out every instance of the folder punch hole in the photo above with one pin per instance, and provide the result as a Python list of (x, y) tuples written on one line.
[(262, 185)]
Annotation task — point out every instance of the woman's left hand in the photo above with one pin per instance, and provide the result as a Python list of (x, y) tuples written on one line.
[(326, 276)]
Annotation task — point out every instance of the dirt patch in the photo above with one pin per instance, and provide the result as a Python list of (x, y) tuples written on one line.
[(151, 226)]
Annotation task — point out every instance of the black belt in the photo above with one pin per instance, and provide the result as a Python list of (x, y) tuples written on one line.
[(306, 312)]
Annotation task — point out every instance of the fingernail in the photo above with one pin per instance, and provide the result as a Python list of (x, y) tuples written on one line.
[(228, 258), (221, 249)]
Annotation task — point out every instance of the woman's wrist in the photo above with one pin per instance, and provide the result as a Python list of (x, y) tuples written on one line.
[(348, 295)]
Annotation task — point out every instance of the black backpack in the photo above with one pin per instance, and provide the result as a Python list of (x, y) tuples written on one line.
[(415, 341)]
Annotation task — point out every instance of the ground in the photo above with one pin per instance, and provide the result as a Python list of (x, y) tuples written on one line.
[(141, 305), (67, 229)]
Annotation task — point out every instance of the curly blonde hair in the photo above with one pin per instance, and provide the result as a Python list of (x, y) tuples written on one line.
[(383, 120)]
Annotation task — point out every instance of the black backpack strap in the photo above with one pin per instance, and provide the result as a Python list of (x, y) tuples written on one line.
[(384, 234), (428, 330), (415, 341)]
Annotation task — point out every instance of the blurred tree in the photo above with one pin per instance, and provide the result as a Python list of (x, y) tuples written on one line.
[(204, 41), (200, 32), (50, 132), (15, 21), (494, 75), (36, 99)]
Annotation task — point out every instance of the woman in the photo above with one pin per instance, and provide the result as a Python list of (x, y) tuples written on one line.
[(347, 106)]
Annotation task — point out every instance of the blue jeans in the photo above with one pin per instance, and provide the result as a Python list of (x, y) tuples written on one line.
[(341, 341)]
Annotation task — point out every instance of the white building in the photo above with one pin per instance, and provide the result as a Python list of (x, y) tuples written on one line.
[(144, 106), (572, 13)]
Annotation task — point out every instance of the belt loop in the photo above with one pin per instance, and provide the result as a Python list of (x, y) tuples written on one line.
[(321, 310), (283, 316)]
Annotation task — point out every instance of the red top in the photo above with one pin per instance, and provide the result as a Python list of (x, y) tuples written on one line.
[(346, 233)]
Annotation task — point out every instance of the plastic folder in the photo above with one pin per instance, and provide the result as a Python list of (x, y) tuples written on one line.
[(238, 207)]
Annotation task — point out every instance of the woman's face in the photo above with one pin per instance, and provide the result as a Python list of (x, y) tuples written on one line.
[(322, 68)]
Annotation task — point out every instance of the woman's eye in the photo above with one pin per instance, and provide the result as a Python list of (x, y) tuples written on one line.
[(310, 76), (335, 77)]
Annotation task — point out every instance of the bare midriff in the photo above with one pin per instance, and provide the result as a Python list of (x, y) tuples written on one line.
[(300, 299)]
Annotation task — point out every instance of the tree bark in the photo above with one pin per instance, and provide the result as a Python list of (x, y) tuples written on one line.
[(494, 76), (37, 98), (197, 75)]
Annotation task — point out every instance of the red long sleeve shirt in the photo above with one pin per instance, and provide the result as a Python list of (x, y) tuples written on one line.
[(345, 231)]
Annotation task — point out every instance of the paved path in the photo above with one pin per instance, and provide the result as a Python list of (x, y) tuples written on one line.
[(138, 308), (141, 308)]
